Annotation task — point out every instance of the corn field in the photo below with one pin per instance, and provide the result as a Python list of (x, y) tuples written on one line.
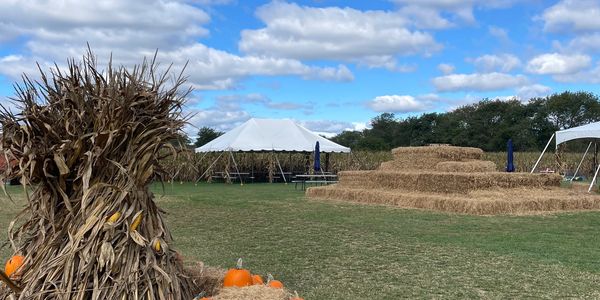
[(190, 166)]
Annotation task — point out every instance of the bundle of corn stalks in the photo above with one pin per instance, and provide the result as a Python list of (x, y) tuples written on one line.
[(88, 144)]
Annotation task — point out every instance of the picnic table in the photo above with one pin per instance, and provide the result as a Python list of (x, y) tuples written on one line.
[(319, 179)]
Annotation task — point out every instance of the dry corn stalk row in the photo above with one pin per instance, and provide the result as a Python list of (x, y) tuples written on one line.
[(88, 143)]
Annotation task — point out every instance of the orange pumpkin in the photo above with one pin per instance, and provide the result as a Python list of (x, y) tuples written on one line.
[(256, 279), (238, 277), (13, 265), (275, 284), (271, 282)]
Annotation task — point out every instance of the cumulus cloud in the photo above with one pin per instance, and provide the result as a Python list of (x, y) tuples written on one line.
[(400, 103), (500, 33), (585, 76), (429, 13), (129, 30), (446, 68), (478, 82), (572, 16), (330, 128), (372, 38), (558, 64), (502, 63), (585, 42), (235, 102), (532, 91)]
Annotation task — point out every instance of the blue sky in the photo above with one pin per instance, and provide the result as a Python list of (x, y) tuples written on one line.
[(329, 65)]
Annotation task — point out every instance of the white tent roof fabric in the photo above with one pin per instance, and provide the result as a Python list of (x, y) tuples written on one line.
[(270, 135), (591, 130)]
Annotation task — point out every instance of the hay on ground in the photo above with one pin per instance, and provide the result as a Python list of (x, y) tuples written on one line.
[(466, 166)]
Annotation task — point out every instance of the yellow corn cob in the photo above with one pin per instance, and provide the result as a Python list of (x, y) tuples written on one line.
[(114, 217), (136, 221), (157, 245)]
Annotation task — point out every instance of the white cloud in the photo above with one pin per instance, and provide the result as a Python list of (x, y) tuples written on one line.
[(586, 76), (215, 118), (532, 91), (308, 33), (502, 63), (429, 13), (500, 33), (478, 82), (399, 103), (572, 16), (585, 42), (129, 30), (235, 102), (446, 68), (558, 64)]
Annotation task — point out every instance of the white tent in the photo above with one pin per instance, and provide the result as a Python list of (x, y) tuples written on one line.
[(270, 135), (588, 131), (591, 130)]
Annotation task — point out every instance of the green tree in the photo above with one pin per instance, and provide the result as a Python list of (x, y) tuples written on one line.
[(568, 109), (205, 135)]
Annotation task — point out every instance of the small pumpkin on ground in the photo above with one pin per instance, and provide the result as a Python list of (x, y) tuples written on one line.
[(13, 265), (238, 277), (271, 282)]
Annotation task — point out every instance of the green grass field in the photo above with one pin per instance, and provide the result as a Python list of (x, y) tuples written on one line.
[(337, 250)]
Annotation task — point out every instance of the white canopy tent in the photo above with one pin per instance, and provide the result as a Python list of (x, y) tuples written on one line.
[(273, 135), (588, 131)]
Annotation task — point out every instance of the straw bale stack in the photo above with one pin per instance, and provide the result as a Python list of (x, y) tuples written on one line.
[(426, 158), (454, 179)]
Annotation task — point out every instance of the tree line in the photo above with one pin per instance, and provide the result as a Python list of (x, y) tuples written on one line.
[(487, 124)]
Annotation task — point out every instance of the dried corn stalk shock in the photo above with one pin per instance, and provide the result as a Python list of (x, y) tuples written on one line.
[(88, 144)]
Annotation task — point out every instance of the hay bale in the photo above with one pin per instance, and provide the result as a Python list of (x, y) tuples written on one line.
[(483, 202), (254, 292), (427, 158), (438, 182), (466, 166), (206, 279)]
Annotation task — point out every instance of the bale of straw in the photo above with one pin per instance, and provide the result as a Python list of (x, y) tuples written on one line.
[(206, 279), (444, 182), (483, 202), (254, 292), (466, 166), (89, 142), (427, 158)]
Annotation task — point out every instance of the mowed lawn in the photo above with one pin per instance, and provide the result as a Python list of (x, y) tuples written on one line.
[(337, 250)]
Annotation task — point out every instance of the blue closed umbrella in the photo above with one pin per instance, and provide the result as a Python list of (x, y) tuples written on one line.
[(510, 167), (317, 158)]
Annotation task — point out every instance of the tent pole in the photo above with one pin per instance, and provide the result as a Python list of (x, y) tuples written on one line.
[(580, 162), (236, 167), (540, 158), (209, 167), (280, 169), (594, 180)]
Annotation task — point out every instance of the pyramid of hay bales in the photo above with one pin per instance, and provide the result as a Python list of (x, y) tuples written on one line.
[(455, 179)]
